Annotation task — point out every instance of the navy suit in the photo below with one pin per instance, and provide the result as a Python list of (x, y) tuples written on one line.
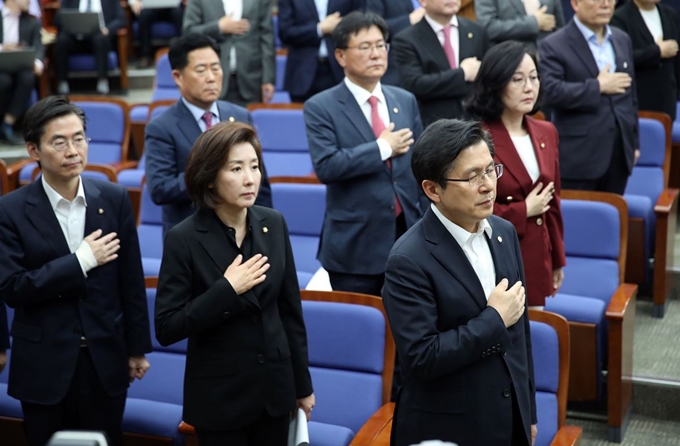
[(586, 120), (396, 14), (359, 226), (168, 141), (461, 367)]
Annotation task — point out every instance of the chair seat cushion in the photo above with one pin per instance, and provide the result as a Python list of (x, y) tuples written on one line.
[(153, 418), (86, 62), (322, 434), (151, 266), (26, 172), (138, 113), (546, 409), (577, 309), (9, 407)]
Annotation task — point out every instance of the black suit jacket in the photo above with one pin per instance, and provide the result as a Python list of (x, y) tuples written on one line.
[(246, 352), (29, 34), (55, 304), (424, 69), (396, 14), (114, 16), (460, 363), (657, 79)]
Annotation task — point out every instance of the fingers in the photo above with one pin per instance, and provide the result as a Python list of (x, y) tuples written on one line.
[(93, 236), (237, 261), (606, 68), (502, 285), (543, 8)]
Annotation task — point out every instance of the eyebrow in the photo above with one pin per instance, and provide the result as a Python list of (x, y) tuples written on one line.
[(57, 136), (475, 169), (254, 160)]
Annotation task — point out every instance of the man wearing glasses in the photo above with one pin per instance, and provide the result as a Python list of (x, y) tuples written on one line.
[(359, 134), (70, 267), (454, 296), (588, 80)]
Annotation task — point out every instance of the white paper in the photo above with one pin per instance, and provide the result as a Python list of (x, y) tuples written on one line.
[(298, 435)]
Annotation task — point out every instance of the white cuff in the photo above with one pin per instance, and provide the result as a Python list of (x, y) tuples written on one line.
[(318, 30), (385, 149), (39, 64), (85, 257)]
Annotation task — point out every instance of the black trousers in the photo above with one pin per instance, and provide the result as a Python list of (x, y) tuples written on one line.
[(86, 406), (323, 80), (233, 94), (148, 16), (97, 44), (265, 431), (15, 92)]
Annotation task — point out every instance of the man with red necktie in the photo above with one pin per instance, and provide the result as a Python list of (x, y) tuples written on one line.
[(438, 59), (360, 133)]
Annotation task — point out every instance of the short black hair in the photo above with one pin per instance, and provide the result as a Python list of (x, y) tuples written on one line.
[(43, 112), (498, 66), (356, 21), (440, 144), (180, 47)]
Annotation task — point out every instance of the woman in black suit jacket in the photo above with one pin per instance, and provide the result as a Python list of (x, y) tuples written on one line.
[(228, 283)]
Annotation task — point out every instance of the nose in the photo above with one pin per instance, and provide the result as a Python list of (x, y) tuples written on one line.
[(249, 177)]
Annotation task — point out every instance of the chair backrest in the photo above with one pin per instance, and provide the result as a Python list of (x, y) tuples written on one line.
[(351, 355), (595, 240), (164, 87), (650, 175), (303, 206), (150, 226), (178, 347), (108, 125), (550, 350), (156, 108), (281, 60)]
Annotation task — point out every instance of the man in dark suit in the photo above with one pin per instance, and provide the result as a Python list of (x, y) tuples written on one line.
[(99, 43), (455, 301), (438, 58), (70, 267), (655, 32), (399, 15), (588, 80), (359, 134), (196, 68), (15, 88), (305, 28)]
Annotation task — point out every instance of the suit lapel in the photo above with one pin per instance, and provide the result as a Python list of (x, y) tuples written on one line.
[(465, 39), (258, 224), (639, 23), (40, 213), (186, 123), (95, 211), (431, 44), (500, 255), (620, 55), (353, 113), (519, 6), (538, 140), (398, 116), (580, 47), (225, 112), (510, 158)]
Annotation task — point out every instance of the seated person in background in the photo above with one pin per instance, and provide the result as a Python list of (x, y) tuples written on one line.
[(99, 43), (17, 29), (505, 92), (245, 33), (146, 18), (33, 8), (195, 62)]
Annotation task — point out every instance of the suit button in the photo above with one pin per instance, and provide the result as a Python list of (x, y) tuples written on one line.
[(226, 315), (504, 353), (506, 393), (539, 221), (255, 319), (488, 351), (498, 346), (260, 359), (483, 354)]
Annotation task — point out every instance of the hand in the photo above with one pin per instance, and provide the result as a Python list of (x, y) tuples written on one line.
[(558, 278), (400, 141), (103, 248), (307, 404), (38, 69), (105, 31), (229, 26), (508, 302), (470, 67), (138, 366), (135, 6), (637, 156), (546, 22), (244, 276), (416, 15), (613, 83), (534, 433), (669, 48), (267, 92), (3, 361), (537, 200), (11, 46), (328, 24)]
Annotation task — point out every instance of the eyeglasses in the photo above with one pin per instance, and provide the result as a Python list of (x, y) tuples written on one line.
[(520, 82), (366, 48), (79, 142), (477, 180), (596, 2)]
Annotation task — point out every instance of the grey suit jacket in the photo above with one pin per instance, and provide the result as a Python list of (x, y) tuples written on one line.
[(255, 53), (508, 20)]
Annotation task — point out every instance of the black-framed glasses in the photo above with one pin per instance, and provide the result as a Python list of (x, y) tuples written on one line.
[(476, 180)]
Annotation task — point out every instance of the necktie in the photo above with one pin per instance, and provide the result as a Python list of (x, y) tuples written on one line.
[(207, 118), (531, 6), (448, 48), (378, 126)]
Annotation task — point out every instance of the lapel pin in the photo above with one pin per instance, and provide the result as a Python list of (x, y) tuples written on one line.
[(469, 35), (500, 239), (231, 119), (542, 145), (101, 211), (265, 230), (509, 199), (625, 65), (395, 110)]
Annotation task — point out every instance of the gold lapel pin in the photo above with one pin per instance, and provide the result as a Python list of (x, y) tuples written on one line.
[(469, 35), (101, 211), (500, 239), (265, 230), (542, 145), (395, 110), (509, 198), (231, 119)]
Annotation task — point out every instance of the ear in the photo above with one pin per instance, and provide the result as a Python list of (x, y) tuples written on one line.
[(176, 76), (432, 190), (33, 151), (340, 57)]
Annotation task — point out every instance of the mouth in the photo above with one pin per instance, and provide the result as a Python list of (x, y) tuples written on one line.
[(248, 194), (486, 203)]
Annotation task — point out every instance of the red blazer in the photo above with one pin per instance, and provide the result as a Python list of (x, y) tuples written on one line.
[(541, 237)]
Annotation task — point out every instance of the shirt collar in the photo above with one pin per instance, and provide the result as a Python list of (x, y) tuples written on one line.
[(461, 235), (198, 112), (437, 27), (6, 12), (588, 33), (361, 94), (54, 197)]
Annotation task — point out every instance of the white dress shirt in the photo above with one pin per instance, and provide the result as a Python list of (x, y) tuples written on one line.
[(361, 95), (476, 249), (96, 6), (525, 150), (10, 27), (235, 8), (322, 11), (71, 217), (455, 38), (653, 21)]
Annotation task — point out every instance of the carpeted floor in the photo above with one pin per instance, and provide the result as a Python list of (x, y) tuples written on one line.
[(642, 431)]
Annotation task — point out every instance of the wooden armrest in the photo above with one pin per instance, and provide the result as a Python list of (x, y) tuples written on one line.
[(568, 436), (123, 165), (378, 426), (309, 179), (186, 429), (122, 32), (665, 201), (620, 300), (107, 170), (13, 171)]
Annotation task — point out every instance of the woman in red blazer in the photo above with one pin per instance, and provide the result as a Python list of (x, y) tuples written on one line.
[(505, 92)]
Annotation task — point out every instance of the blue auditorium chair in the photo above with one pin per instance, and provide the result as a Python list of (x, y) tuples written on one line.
[(117, 61), (150, 232)]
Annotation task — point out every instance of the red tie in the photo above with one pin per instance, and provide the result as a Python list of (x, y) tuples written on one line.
[(378, 126), (448, 48), (207, 118)]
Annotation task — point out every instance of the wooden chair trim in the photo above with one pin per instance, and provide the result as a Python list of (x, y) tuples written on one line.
[(125, 145), (186, 429), (379, 425), (282, 52), (666, 201), (568, 436), (666, 210), (262, 105), (621, 300), (619, 203), (161, 103), (561, 327), (151, 282), (122, 35), (13, 171), (539, 115), (369, 301), (310, 179), (4, 179), (668, 128)]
